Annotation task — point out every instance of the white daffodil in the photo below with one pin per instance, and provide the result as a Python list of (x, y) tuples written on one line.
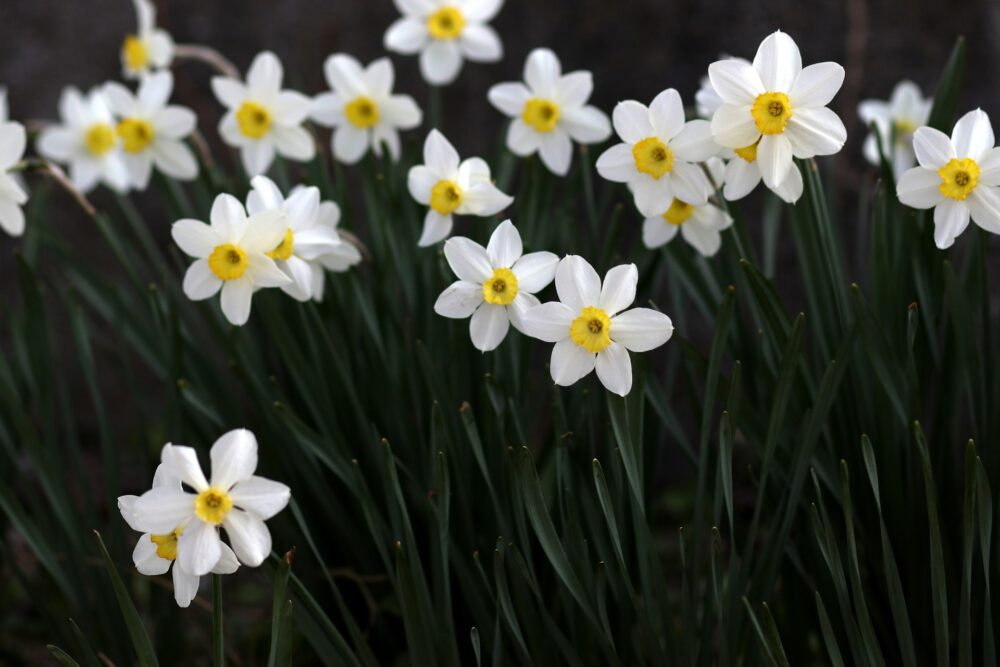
[(496, 285), (262, 118), (303, 241), (151, 132), (742, 175), (12, 195), (235, 499), (150, 48), (448, 186), (895, 121), (550, 111), (232, 255), (660, 153), (361, 108), (699, 225), (155, 553), (86, 141), (589, 328), (444, 32), (340, 257), (959, 177), (776, 108)]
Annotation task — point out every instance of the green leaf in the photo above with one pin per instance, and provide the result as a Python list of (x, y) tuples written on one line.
[(136, 630)]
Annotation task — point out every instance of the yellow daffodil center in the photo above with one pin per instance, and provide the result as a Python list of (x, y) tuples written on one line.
[(771, 112), (543, 115), (99, 139), (500, 288), (212, 505), (446, 23), (591, 330), (134, 53), (959, 178), (679, 212), (653, 157), (284, 249), (136, 134), (446, 196), (362, 112), (228, 262), (166, 544), (748, 153), (254, 120)]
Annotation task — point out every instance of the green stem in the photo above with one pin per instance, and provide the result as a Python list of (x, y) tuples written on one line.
[(218, 654)]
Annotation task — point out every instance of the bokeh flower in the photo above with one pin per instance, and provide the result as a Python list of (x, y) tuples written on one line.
[(699, 225), (12, 194), (150, 48), (339, 258), (895, 122)]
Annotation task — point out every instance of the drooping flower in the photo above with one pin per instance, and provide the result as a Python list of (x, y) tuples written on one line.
[(496, 285), (444, 32), (303, 241), (151, 132), (231, 255), (699, 225), (362, 109), (234, 499), (154, 554), (150, 48), (959, 177), (263, 119), (895, 121), (12, 195), (776, 109), (659, 153), (340, 257), (86, 141), (590, 329), (448, 187), (550, 111)]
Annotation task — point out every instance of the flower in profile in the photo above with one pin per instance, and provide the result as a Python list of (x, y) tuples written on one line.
[(234, 499), (303, 241), (263, 119), (341, 257), (775, 109), (361, 108), (448, 187), (659, 154), (86, 141), (151, 132), (895, 122), (12, 195), (589, 328), (959, 177), (700, 226), (150, 48), (155, 554), (232, 255), (550, 111), (444, 32), (496, 285)]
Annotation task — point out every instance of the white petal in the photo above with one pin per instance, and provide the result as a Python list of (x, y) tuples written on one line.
[(690, 184), (586, 125), (264, 272), (704, 239), (155, 89), (473, 170), (349, 143), (302, 207), (480, 43), (406, 35), (58, 143), (741, 178), (488, 326), (522, 139), (556, 151), (736, 81), (260, 496), (778, 62), (185, 587), (379, 77), (440, 62), (200, 282), (652, 197), (614, 369), (509, 98), (161, 510), (542, 71), (734, 127), (989, 168), (228, 563), (468, 259), (973, 135), (421, 181), (517, 309), (401, 111), (657, 232), (774, 157), (694, 143), (631, 121), (290, 108), (195, 238), (549, 322), (293, 143), (182, 463), (815, 131), (570, 362), (437, 227), (236, 298), (919, 188), (484, 199), (234, 458), (535, 271), (985, 206), (641, 329), (790, 189), (577, 284), (618, 291), (951, 217), (300, 272), (248, 536), (345, 75), (932, 147), (175, 160), (816, 85), (574, 89), (617, 164), (145, 558), (265, 74), (13, 140), (174, 122), (505, 245), (459, 300), (198, 548), (257, 156), (666, 113), (439, 155), (230, 92)]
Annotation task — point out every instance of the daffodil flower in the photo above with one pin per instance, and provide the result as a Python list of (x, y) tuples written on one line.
[(234, 499), (895, 122), (362, 109), (448, 187), (549, 111), (959, 177), (338, 258), (700, 226), (496, 285), (12, 195), (263, 119), (589, 329), (150, 48)]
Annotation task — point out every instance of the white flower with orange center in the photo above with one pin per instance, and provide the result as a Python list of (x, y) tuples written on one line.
[(445, 33), (340, 257), (263, 119), (149, 48), (12, 194), (549, 111), (895, 122), (699, 225)]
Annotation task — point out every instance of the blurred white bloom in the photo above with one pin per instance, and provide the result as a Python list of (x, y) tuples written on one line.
[(152, 132), (234, 499), (303, 242), (660, 153), (262, 118), (895, 121), (86, 141), (496, 285), (550, 111), (958, 177), (444, 32), (699, 225), (150, 48), (232, 255), (340, 258), (12, 194), (361, 108), (589, 328), (448, 186), (154, 554), (777, 108)]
